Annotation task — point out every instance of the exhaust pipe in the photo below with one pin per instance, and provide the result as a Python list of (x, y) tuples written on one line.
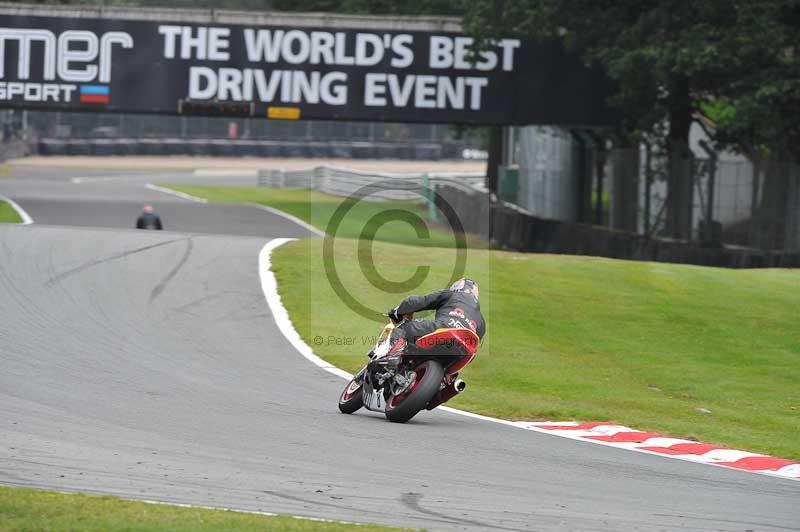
[(447, 393)]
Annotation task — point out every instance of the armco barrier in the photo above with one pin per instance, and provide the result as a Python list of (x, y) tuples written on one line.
[(378, 185), (515, 230)]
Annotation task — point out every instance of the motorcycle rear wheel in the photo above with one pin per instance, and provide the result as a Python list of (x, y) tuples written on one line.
[(403, 407), (352, 397)]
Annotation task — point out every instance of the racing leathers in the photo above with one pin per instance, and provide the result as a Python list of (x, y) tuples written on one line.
[(456, 307)]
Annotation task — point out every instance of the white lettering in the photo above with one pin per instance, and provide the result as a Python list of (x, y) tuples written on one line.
[(400, 95), (194, 46), (334, 94), (425, 93), (36, 92), (229, 86), (24, 38), (263, 45), (365, 56), (322, 47), (170, 34), (508, 46), (107, 41), (401, 46), (303, 47), (266, 91), (198, 75), (67, 54), (476, 85), (375, 90), (451, 95), (218, 44), (341, 50), (441, 52)]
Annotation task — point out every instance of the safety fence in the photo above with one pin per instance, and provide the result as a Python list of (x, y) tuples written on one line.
[(371, 186), (244, 148), (705, 196), (129, 134), (506, 226)]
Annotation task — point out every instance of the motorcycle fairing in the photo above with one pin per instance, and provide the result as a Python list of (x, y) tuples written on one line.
[(452, 341), (373, 399)]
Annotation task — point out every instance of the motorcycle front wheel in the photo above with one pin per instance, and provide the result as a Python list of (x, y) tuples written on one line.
[(352, 397), (401, 408)]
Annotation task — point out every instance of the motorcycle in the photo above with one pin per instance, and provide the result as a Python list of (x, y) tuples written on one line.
[(424, 376)]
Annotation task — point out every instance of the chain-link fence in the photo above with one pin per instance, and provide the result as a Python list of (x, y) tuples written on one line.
[(708, 197), (59, 133), (113, 125)]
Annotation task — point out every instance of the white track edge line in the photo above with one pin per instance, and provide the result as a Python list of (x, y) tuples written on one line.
[(266, 208), (26, 218), (241, 511), (213, 172), (269, 285), (188, 505), (288, 216), (171, 192)]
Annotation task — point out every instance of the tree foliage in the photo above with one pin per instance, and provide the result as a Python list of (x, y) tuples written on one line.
[(735, 62), (374, 7), (673, 59)]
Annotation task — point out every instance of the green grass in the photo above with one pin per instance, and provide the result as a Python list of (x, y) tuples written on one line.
[(317, 209), (8, 214), (32, 509), (582, 338)]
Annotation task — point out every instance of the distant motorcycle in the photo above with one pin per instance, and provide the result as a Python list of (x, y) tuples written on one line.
[(423, 377)]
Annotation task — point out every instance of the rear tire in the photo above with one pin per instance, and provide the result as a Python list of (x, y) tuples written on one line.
[(352, 397), (429, 379)]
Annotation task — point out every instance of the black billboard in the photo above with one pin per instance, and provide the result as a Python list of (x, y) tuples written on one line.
[(111, 65)]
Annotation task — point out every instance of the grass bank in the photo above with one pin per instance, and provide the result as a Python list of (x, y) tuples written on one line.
[(32, 509), (644, 344), (317, 209), (7, 214)]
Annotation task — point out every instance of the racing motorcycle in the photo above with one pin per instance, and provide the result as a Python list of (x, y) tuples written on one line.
[(424, 376)]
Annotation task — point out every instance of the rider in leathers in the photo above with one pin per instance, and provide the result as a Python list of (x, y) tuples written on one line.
[(456, 307)]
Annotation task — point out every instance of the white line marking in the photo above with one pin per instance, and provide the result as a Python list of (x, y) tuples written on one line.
[(26, 218), (238, 511), (187, 505), (210, 172), (269, 285), (79, 180), (270, 210), (171, 192), (288, 216)]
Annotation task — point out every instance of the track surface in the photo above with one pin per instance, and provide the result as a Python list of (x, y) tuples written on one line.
[(148, 365)]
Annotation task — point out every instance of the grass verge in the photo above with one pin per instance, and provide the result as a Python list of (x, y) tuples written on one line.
[(317, 209), (7, 214), (33, 509), (644, 344)]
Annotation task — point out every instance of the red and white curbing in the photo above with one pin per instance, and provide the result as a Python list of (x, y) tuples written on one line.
[(602, 433), (649, 442)]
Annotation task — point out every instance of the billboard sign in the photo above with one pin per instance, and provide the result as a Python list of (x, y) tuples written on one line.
[(292, 72)]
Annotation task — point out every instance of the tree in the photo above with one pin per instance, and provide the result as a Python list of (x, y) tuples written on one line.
[(667, 56), (374, 7)]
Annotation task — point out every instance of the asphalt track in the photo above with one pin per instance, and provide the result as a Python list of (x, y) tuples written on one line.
[(148, 365)]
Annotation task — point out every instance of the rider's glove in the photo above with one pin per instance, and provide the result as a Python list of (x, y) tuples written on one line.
[(394, 316)]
